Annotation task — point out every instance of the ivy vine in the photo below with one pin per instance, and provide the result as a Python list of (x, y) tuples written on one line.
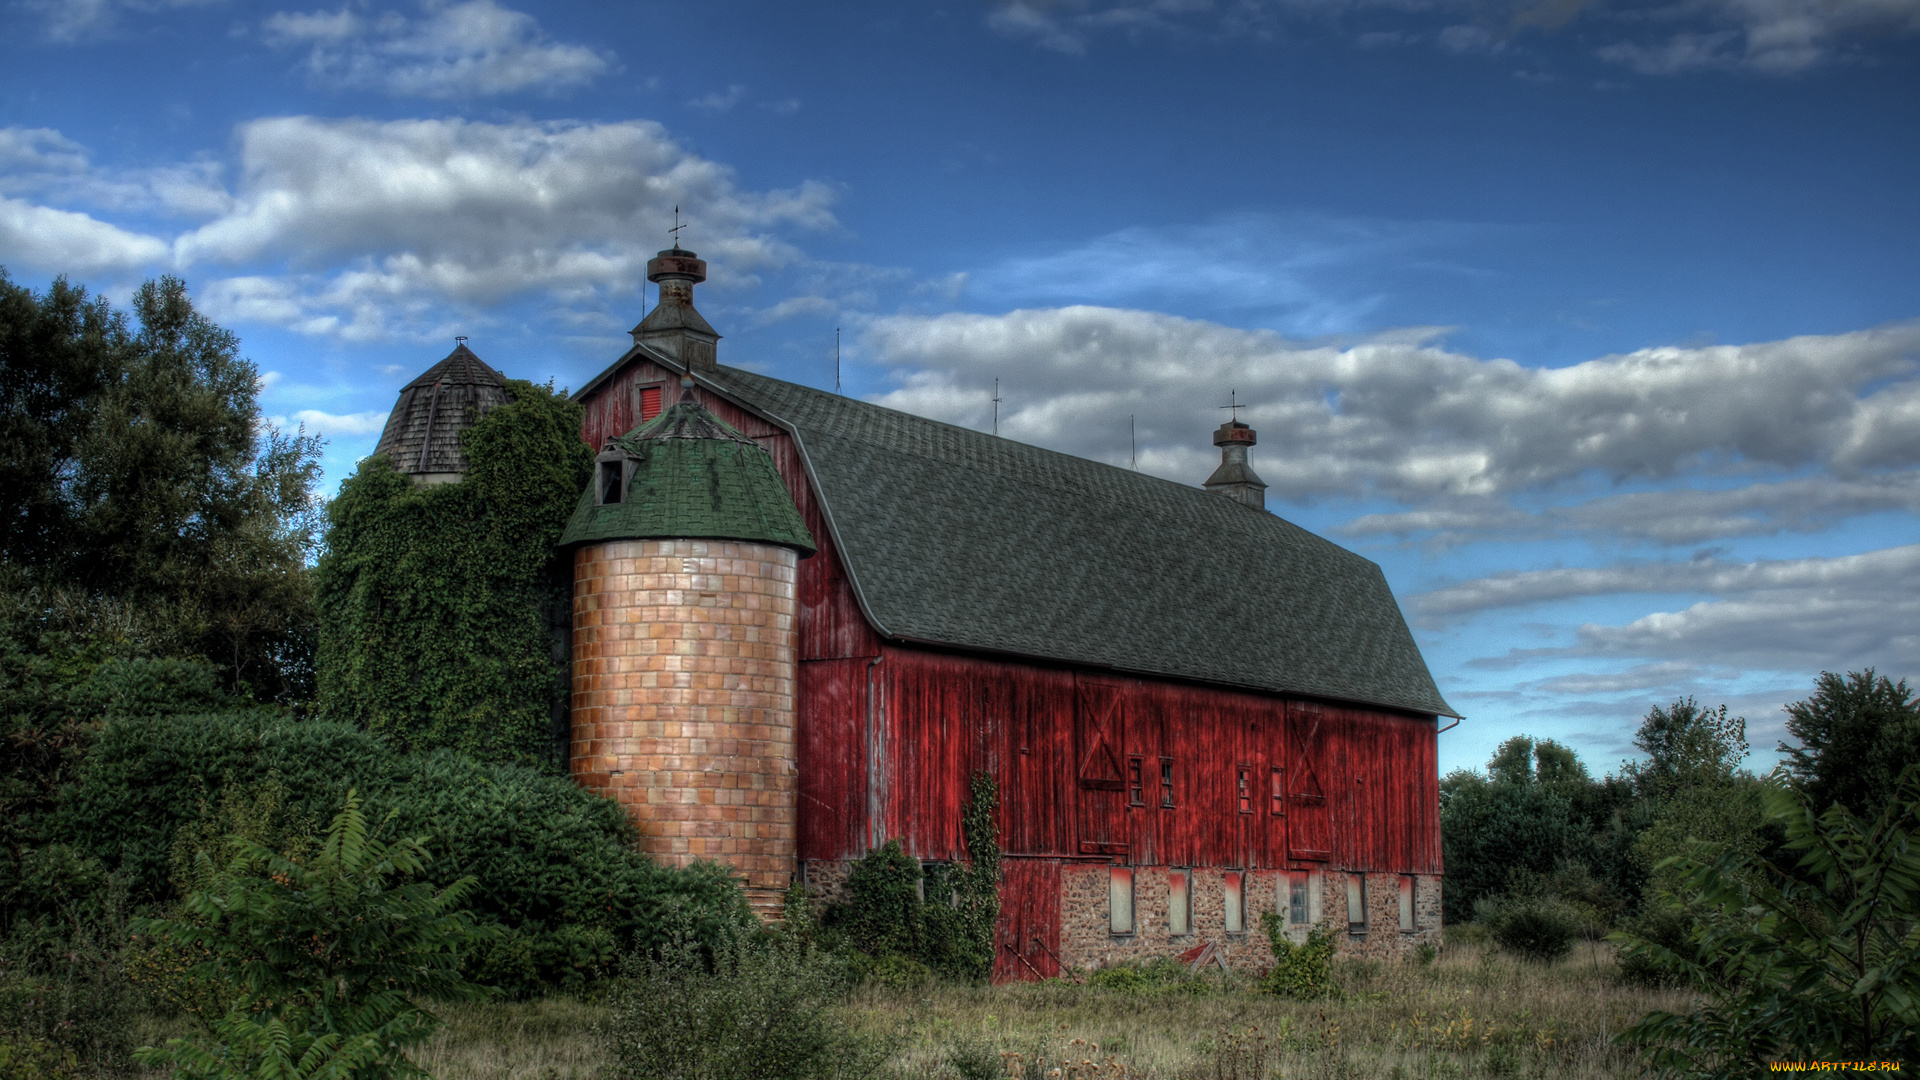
[(444, 609)]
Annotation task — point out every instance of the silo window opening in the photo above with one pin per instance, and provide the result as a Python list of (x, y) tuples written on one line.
[(1179, 902), (1232, 906), (611, 489), (1120, 899)]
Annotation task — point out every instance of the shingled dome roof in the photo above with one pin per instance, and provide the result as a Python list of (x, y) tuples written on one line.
[(958, 538), (692, 477), (422, 435)]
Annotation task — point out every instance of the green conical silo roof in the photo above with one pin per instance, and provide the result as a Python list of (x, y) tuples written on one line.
[(694, 478)]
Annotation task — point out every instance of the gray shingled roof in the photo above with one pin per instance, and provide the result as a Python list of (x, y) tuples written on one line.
[(423, 431), (964, 539)]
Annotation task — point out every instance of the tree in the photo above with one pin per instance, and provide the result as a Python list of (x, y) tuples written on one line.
[(144, 506), (1818, 960), (1687, 746), (1855, 735)]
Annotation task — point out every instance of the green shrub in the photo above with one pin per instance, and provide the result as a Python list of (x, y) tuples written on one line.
[(557, 868), (763, 1010), (1162, 975), (1662, 922), (975, 1059), (1302, 971), (882, 914), (1541, 929), (327, 956)]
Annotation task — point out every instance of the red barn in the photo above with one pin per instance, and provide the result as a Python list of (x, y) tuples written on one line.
[(1196, 712)]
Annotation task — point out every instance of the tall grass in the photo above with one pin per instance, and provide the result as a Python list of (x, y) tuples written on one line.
[(1474, 1012)]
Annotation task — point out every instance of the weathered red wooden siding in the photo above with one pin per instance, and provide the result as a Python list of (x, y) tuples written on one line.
[(1028, 934), (1362, 783)]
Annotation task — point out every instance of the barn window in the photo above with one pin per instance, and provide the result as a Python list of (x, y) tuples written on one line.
[(1179, 902), (1136, 792), (649, 403), (1166, 781), (612, 473), (1120, 899), (1235, 911), (1356, 904), (1277, 792), (1406, 902), (1243, 787), (1297, 899)]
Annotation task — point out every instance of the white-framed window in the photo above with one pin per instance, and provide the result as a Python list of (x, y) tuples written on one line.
[(1120, 899), (1179, 901), (1232, 904), (1356, 903)]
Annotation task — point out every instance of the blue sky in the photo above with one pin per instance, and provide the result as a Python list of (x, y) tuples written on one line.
[(1595, 323)]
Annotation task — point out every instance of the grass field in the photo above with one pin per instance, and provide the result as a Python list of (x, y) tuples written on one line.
[(1473, 1013)]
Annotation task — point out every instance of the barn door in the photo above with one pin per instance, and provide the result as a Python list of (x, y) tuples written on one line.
[(1028, 932), (1099, 774), (1308, 826)]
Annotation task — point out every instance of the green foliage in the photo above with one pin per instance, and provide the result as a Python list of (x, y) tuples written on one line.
[(1820, 963), (134, 474), (558, 871), (1304, 971), (329, 956), (763, 1010), (1490, 830), (1687, 746), (1855, 734), (444, 607), (1163, 975), (950, 931), (65, 1000), (1538, 928), (963, 902), (1664, 923)]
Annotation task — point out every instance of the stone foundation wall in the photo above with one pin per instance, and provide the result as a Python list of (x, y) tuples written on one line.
[(683, 699), (1087, 940), (827, 879)]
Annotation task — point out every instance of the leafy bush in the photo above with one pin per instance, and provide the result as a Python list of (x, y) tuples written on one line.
[(1302, 971), (764, 1010), (1538, 928), (1822, 963), (882, 914), (1163, 975), (1662, 922), (556, 865), (326, 956)]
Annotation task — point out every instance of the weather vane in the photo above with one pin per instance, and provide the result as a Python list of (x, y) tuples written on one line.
[(675, 231), (459, 339), (1234, 406)]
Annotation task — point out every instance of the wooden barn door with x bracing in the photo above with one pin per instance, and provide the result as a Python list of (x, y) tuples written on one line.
[(1100, 724), (1308, 821)]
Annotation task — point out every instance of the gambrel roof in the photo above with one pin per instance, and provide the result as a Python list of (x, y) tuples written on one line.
[(959, 538)]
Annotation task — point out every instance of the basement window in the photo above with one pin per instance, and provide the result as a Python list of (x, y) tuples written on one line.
[(1356, 903), (1297, 899), (1120, 899), (1406, 903), (1136, 794), (1234, 910), (1179, 902), (1166, 782)]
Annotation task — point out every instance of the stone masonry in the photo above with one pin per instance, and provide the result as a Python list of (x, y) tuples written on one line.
[(1087, 940), (683, 699)]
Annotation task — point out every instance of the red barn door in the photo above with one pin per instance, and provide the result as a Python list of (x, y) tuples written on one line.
[(1100, 776), (1029, 928), (1308, 825)]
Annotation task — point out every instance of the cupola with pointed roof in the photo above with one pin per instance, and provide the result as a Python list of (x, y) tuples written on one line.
[(422, 436)]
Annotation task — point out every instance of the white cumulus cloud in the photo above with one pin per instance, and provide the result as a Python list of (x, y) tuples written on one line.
[(452, 50)]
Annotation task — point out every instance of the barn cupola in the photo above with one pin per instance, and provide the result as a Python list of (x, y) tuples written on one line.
[(422, 436), (673, 327), (685, 638), (1235, 478)]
